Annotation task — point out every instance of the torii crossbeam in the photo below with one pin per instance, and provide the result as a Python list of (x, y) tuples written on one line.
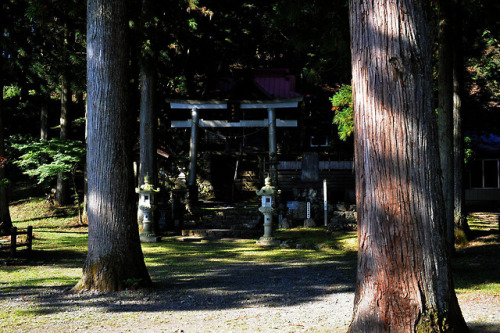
[(195, 122)]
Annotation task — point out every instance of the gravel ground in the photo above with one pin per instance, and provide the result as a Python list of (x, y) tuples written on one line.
[(279, 297)]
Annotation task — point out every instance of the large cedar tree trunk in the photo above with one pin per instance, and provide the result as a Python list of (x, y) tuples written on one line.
[(114, 257), (403, 279)]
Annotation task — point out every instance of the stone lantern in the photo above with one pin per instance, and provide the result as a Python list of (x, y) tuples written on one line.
[(146, 200), (178, 203), (268, 194)]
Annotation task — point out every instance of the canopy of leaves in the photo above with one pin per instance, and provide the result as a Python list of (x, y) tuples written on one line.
[(481, 31), (344, 113), (45, 159), (484, 71)]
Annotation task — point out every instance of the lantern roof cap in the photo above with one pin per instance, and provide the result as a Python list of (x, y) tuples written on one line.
[(267, 189), (147, 187)]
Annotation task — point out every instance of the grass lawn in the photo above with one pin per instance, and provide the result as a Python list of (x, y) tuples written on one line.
[(476, 265), (60, 246)]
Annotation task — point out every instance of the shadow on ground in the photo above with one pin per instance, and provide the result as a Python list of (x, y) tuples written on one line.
[(484, 328), (218, 287)]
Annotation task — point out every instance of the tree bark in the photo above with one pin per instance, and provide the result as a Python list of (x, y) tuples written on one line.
[(115, 259), (404, 282), (5, 220), (62, 191), (458, 139), (147, 114), (445, 115), (147, 145), (44, 120), (147, 126)]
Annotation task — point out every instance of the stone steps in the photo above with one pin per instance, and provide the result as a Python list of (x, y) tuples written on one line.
[(220, 233), (226, 223)]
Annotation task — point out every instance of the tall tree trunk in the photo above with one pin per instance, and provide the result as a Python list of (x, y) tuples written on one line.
[(5, 220), (62, 191), (147, 166), (445, 115), (114, 253), (147, 123), (404, 282), (458, 139), (147, 115), (85, 183)]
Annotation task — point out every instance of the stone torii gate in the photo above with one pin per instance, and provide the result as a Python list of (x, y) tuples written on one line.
[(195, 122)]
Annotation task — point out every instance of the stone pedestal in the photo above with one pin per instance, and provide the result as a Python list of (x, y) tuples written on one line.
[(309, 223), (146, 206), (148, 235), (267, 239)]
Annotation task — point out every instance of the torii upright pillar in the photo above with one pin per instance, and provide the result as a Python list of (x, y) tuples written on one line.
[(193, 152), (273, 151)]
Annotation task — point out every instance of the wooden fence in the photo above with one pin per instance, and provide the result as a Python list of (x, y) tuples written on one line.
[(13, 240)]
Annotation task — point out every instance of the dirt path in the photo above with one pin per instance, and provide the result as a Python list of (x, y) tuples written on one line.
[(279, 297)]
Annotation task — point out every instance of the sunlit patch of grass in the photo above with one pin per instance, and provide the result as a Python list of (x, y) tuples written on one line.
[(188, 260), (58, 249), (322, 238), (233, 251), (44, 272), (32, 209), (483, 221), (41, 215), (476, 265)]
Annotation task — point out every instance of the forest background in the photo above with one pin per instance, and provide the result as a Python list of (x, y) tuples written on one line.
[(189, 46)]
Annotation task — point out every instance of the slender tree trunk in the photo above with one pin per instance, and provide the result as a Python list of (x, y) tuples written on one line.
[(85, 183), (62, 191), (147, 166), (458, 140), (445, 114), (147, 126), (5, 220), (114, 256), (44, 120), (404, 282), (147, 115)]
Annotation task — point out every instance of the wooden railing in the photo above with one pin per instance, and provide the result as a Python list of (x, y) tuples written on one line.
[(13, 240)]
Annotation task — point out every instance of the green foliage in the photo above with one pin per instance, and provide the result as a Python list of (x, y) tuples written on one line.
[(468, 151), (11, 91), (192, 24), (4, 182), (45, 159), (484, 71), (344, 113)]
